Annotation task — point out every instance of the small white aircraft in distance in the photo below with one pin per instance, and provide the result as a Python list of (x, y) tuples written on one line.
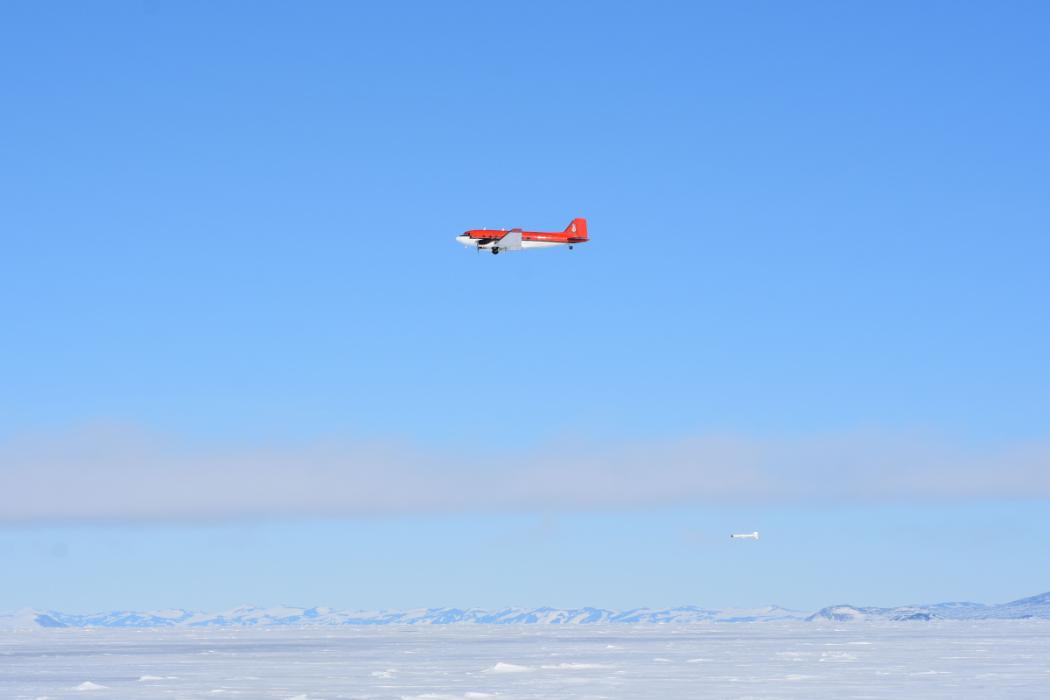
[(745, 536)]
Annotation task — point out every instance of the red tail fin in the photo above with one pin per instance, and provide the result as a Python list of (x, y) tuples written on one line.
[(577, 229)]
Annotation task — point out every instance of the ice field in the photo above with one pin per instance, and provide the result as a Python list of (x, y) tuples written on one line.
[(946, 659)]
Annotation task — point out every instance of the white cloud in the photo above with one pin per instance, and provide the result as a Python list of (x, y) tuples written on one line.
[(121, 474)]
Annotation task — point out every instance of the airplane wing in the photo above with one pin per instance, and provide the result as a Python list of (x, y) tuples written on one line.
[(512, 241)]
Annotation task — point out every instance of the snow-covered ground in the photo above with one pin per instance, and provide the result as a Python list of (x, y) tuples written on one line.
[(941, 659)]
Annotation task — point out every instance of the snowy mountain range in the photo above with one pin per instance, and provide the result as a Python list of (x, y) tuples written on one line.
[(250, 616), (1037, 607), (293, 616)]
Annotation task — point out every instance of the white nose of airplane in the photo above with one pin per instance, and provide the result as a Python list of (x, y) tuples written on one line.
[(464, 239)]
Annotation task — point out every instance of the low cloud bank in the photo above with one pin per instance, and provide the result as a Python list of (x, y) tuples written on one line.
[(121, 475)]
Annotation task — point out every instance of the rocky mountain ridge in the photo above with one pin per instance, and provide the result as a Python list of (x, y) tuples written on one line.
[(1034, 607)]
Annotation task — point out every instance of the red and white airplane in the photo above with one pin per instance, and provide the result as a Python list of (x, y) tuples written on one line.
[(516, 239)]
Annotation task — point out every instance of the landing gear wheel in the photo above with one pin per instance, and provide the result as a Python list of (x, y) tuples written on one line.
[(495, 251)]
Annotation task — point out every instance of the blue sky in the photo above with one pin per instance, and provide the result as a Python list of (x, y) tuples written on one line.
[(227, 231)]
